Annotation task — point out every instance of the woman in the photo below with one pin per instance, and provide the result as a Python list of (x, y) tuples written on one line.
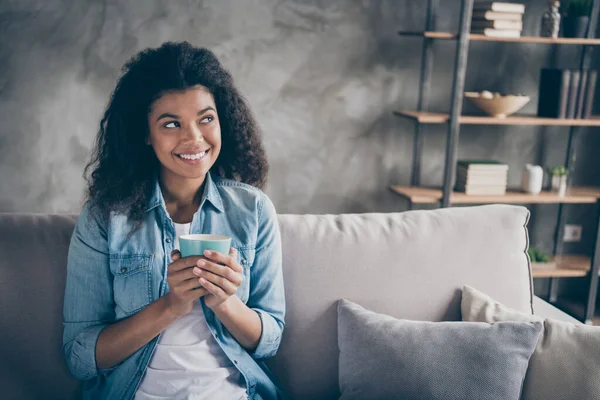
[(178, 151)]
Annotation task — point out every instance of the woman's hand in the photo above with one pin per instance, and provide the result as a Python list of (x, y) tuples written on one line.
[(220, 274), (183, 284)]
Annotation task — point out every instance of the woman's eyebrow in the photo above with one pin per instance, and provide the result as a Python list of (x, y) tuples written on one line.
[(175, 116), (167, 115), (205, 110)]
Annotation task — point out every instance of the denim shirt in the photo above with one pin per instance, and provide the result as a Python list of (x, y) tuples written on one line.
[(111, 277)]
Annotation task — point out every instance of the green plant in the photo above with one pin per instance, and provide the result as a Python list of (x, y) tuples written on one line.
[(579, 8), (538, 255), (558, 170)]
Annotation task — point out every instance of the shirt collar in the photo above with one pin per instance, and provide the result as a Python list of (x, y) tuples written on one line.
[(211, 194)]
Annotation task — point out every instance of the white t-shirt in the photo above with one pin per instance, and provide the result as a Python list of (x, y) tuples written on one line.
[(188, 363)]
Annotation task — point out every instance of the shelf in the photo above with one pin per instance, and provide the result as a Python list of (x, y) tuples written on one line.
[(424, 117), (576, 308), (535, 39), (574, 195), (563, 266), (523, 39)]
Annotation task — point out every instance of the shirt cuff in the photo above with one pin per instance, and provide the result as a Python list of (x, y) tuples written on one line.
[(269, 338), (82, 354)]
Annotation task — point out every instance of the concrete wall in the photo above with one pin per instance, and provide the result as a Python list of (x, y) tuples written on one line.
[(323, 78)]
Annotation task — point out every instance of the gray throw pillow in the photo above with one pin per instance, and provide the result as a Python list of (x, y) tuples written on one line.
[(382, 357), (566, 362)]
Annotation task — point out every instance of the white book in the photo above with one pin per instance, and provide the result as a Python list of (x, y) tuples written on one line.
[(483, 170), (499, 6), (481, 174), (497, 24), (501, 33), (483, 191), (495, 16), (481, 182), (483, 167)]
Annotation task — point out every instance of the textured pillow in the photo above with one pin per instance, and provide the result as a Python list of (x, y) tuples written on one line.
[(566, 362), (382, 357)]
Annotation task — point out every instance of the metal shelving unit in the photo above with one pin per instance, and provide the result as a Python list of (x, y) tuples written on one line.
[(565, 265)]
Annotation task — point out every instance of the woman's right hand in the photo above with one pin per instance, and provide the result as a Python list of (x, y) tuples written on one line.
[(184, 286)]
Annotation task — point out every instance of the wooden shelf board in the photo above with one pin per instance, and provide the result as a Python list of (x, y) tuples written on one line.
[(576, 308), (523, 39), (424, 117), (563, 266), (535, 39), (440, 35), (574, 195)]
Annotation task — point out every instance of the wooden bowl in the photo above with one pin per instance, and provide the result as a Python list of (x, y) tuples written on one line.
[(497, 106)]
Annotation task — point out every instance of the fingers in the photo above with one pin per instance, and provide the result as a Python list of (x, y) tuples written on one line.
[(181, 263), (176, 277), (216, 280), (229, 260), (214, 289), (192, 285), (197, 293), (219, 270)]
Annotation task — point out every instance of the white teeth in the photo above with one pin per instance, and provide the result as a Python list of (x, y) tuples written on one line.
[(193, 156)]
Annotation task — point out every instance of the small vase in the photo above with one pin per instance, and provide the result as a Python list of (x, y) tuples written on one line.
[(551, 20), (576, 27), (532, 180), (559, 184)]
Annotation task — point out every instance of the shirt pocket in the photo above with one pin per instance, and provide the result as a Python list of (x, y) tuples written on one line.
[(246, 260), (132, 281)]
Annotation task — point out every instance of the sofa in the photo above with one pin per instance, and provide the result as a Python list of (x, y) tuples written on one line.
[(409, 265)]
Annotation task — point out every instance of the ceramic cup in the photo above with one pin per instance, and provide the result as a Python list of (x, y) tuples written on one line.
[(196, 244)]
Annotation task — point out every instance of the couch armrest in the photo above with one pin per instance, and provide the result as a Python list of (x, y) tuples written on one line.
[(544, 309)]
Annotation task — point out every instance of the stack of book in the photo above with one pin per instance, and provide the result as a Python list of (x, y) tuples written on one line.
[(481, 177), (560, 95), (497, 19)]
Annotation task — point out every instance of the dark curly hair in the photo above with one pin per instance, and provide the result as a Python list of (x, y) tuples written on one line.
[(124, 165)]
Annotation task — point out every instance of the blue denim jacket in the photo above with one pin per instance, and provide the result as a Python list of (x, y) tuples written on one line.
[(110, 277)]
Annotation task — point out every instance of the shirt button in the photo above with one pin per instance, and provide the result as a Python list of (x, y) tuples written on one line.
[(244, 261), (123, 270), (168, 240)]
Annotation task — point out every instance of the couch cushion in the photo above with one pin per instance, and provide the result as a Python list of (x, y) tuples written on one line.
[(33, 260), (409, 265), (565, 363), (383, 357)]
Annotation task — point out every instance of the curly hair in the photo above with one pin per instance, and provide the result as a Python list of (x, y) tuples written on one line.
[(124, 165)]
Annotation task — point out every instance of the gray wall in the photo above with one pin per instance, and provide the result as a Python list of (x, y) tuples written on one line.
[(322, 77)]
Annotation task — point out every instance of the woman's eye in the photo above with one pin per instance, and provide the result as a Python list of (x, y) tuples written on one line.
[(172, 124), (207, 119)]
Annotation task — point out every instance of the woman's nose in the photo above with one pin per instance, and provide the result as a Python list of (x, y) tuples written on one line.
[(194, 133)]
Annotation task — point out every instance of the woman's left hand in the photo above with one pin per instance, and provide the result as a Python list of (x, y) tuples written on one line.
[(220, 274)]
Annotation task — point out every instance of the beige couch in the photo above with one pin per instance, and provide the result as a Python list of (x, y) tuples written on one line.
[(408, 265)]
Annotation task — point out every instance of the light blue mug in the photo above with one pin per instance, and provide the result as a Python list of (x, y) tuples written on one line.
[(195, 244)]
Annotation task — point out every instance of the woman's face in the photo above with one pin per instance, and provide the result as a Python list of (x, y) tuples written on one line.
[(185, 132)]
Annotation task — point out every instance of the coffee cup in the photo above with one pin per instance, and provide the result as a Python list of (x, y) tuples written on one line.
[(195, 244)]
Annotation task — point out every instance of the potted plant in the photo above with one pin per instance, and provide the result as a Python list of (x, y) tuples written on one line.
[(538, 256), (559, 179), (577, 18)]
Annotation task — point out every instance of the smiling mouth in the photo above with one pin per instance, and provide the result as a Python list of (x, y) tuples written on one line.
[(192, 157)]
